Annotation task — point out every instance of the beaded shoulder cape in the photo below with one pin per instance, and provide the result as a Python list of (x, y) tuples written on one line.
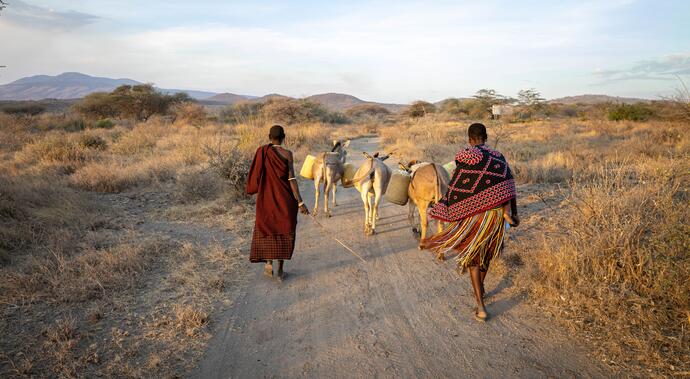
[(482, 180)]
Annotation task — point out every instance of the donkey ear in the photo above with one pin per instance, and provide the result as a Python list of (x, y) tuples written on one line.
[(334, 142), (376, 154), (346, 144)]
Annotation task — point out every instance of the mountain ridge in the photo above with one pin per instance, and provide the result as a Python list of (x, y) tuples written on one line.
[(75, 85)]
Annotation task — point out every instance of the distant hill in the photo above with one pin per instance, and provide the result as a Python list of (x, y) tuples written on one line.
[(71, 85), (596, 99), (332, 101), (335, 101), (229, 98), (270, 96), (341, 102)]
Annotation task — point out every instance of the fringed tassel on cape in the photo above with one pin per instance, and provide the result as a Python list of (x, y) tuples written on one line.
[(476, 239)]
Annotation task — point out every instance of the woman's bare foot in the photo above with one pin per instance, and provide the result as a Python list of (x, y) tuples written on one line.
[(480, 314), (268, 269)]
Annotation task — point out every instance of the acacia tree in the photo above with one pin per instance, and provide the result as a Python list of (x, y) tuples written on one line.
[(530, 97), (136, 102)]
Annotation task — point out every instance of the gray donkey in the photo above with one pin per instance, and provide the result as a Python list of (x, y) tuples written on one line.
[(329, 168)]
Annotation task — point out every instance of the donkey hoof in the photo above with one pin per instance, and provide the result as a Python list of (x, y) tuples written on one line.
[(328, 214), (441, 257)]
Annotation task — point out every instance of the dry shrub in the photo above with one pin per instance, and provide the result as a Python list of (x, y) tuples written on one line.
[(38, 211), (231, 165), (91, 141), (55, 149), (616, 265), (142, 139), (194, 186), (105, 177), (189, 319), (60, 343), (189, 113), (113, 176), (553, 167), (65, 276)]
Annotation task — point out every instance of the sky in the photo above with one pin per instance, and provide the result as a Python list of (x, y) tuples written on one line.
[(388, 51)]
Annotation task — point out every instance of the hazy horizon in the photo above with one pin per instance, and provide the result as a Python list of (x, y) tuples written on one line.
[(376, 51)]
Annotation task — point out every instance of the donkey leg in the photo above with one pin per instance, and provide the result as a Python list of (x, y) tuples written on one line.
[(326, 191), (317, 194), (335, 188), (410, 216), (365, 201), (377, 200), (424, 223)]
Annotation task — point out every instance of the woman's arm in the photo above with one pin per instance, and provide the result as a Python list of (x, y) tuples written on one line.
[(293, 184)]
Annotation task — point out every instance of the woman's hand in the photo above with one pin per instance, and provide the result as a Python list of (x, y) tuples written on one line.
[(303, 209)]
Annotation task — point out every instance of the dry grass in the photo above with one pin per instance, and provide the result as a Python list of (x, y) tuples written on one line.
[(605, 232), (614, 262), (605, 237), (89, 287)]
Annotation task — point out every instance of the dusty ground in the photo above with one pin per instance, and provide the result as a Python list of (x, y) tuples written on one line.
[(399, 314)]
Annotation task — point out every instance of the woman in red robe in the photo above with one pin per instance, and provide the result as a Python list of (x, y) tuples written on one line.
[(272, 178)]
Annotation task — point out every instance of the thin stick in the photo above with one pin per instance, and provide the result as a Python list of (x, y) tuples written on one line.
[(337, 240)]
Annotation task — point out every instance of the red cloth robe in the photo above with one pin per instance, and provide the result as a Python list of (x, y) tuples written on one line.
[(276, 207)]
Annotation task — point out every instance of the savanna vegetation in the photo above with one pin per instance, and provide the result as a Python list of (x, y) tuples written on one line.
[(106, 271), (604, 240)]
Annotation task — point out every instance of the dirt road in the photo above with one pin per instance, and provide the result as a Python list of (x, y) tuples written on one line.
[(399, 314)]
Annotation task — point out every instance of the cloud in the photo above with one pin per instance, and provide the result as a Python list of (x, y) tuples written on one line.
[(664, 69), (21, 13), (388, 51)]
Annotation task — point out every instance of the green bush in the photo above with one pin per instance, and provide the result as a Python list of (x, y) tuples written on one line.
[(630, 112), (105, 123), (72, 124), (24, 109)]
